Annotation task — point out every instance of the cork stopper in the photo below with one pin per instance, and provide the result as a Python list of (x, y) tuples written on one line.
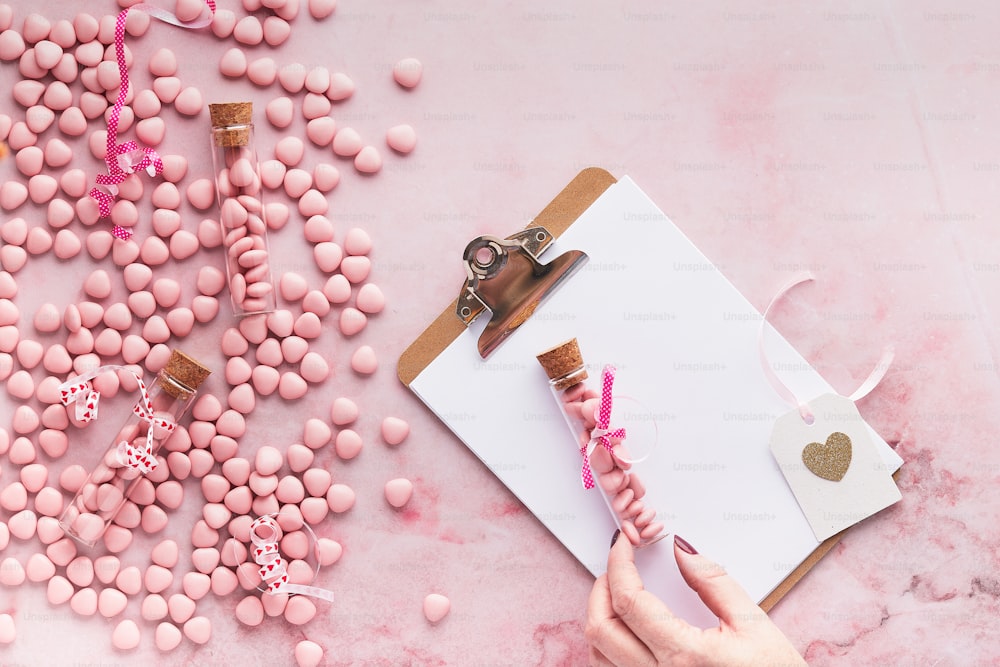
[(183, 375), (564, 365), (231, 123)]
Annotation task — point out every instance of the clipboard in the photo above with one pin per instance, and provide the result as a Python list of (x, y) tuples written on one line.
[(557, 217)]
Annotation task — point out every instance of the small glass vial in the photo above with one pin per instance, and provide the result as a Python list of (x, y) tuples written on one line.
[(611, 472), (99, 499), (241, 209)]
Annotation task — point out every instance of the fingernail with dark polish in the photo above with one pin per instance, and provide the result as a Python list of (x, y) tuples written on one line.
[(614, 538), (684, 545)]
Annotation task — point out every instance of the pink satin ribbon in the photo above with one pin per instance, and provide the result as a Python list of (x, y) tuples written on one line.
[(79, 391), (124, 159), (783, 390), (273, 569), (601, 435)]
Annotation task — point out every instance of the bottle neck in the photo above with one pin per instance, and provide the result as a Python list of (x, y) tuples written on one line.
[(174, 387), (568, 380), (233, 136)]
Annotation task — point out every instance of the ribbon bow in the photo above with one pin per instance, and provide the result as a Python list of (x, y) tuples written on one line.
[(124, 159), (143, 459), (121, 164), (83, 394), (265, 534), (601, 434), (78, 390)]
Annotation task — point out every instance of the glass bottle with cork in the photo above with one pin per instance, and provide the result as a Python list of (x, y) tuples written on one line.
[(606, 463), (241, 209), (133, 450)]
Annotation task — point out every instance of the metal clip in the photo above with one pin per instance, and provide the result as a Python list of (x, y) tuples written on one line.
[(507, 278)]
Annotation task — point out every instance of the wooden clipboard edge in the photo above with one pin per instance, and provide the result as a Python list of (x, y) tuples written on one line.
[(795, 575), (556, 217)]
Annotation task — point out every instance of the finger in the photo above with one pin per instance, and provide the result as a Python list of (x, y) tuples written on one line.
[(722, 594), (648, 618), (608, 634), (596, 659)]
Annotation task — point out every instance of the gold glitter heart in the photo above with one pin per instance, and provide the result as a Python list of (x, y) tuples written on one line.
[(831, 460)]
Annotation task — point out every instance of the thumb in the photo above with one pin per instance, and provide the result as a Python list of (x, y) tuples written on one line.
[(720, 592)]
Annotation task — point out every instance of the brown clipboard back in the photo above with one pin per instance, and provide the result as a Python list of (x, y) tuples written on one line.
[(560, 213)]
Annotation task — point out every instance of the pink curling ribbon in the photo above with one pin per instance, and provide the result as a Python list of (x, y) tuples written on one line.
[(601, 435), (265, 534), (78, 390), (124, 159), (786, 392)]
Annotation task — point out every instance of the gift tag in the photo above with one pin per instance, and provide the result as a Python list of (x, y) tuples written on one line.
[(831, 465)]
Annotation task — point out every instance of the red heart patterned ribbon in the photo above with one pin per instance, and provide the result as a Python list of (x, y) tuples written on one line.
[(142, 459), (265, 533), (78, 390), (81, 393)]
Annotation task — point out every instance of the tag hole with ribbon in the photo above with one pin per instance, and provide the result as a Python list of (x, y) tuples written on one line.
[(825, 449)]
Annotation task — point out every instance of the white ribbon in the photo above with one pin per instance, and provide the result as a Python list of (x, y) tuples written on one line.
[(167, 17)]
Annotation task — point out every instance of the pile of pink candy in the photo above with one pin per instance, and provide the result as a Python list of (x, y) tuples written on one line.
[(69, 77)]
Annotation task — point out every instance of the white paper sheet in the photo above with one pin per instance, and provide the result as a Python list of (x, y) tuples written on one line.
[(685, 343)]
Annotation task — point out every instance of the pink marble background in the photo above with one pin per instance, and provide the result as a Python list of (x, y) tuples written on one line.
[(853, 139)]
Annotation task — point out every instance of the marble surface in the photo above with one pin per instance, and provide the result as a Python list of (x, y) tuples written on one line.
[(856, 140)]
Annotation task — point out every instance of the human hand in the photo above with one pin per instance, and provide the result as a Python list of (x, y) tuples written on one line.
[(628, 625)]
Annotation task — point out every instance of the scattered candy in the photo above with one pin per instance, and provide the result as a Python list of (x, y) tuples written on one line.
[(364, 361), (347, 142), (299, 610), (250, 611), (308, 653), (394, 430), (198, 629), (407, 72), (168, 637), (125, 636), (69, 75), (398, 492), (7, 631), (436, 607), (401, 138), (348, 444), (340, 497)]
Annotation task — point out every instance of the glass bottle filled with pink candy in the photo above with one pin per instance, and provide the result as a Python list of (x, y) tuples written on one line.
[(241, 209), (605, 463), (132, 453)]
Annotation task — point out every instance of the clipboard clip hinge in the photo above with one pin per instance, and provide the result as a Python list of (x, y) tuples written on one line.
[(506, 277)]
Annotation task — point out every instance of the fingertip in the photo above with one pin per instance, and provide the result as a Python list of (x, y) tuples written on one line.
[(722, 594), (621, 564), (621, 547), (684, 545)]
